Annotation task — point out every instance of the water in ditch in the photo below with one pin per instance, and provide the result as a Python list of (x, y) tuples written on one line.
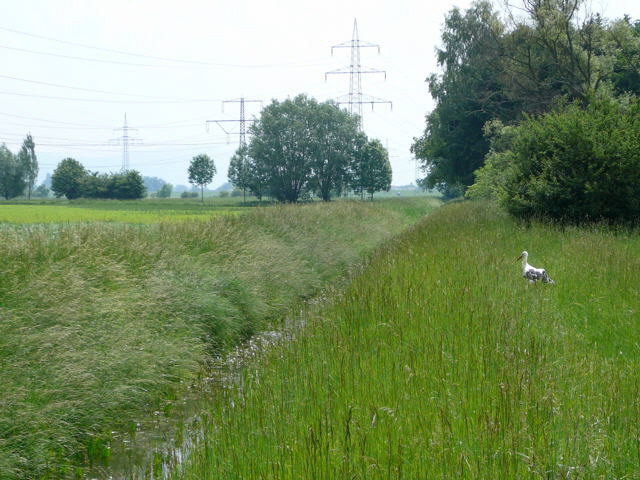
[(159, 445)]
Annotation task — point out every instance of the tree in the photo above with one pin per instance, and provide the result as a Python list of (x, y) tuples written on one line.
[(41, 192), (495, 70), (336, 132), (165, 191), (371, 169), (127, 185), (153, 184), (67, 179), (239, 172), (95, 185), (28, 163), (499, 164), (468, 94), (201, 171), (12, 183), (280, 147), (300, 146)]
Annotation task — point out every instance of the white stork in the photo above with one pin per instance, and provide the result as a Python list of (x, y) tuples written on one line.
[(531, 273)]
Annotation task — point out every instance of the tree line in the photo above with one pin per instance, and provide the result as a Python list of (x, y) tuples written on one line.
[(543, 63), (18, 172), (298, 148), (301, 147), (73, 180)]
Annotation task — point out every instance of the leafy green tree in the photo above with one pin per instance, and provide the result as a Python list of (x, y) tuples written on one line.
[(42, 191), (371, 169), (562, 50), (335, 133), (281, 147), (625, 35), (127, 185), (95, 185), (468, 93), (67, 179), (493, 70), (239, 172), (165, 191), (12, 183), (153, 184), (201, 172), (491, 178), (300, 146), (28, 163)]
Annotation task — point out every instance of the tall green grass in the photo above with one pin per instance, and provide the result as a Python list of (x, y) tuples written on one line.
[(440, 361), (101, 323)]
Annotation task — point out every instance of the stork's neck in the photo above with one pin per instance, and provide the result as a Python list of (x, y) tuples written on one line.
[(525, 263)]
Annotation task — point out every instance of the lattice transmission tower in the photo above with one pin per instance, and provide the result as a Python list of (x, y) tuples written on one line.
[(242, 120), (126, 139), (355, 98)]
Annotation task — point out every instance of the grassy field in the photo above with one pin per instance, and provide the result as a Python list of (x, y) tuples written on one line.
[(122, 211), (440, 361), (101, 323)]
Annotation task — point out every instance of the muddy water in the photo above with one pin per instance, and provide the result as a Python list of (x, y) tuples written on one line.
[(159, 445)]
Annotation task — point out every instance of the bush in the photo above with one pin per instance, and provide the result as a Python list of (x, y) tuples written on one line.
[(165, 191), (574, 164), (41, 192), (186, 194), (223, 193), (499, 162)]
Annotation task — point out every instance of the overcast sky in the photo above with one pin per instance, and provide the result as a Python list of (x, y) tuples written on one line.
[(71, 69)]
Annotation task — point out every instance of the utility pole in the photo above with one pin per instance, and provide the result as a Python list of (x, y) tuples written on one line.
[(125, 140), (355, 98), (242, 120)]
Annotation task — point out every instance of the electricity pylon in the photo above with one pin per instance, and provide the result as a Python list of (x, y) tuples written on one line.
[(355, 98), (126, 140), (242, 120)]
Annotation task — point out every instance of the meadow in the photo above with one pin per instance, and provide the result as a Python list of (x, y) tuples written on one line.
[(439, 360), (103, 323), (124, 211)]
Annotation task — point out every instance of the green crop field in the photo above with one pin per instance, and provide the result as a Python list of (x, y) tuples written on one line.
[(102, 324), (440, 361), (133, 211)]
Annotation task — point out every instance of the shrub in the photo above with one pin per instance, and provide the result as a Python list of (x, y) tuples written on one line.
[(186, 194), (573, 164), (499, 162), (165, 191)]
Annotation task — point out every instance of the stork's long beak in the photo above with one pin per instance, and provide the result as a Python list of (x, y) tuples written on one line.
[(519, 257)]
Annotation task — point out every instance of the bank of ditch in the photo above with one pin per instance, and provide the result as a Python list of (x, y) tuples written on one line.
[(102, 323)]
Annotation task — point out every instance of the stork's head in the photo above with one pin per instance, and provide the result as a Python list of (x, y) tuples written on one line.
[(523, 255)]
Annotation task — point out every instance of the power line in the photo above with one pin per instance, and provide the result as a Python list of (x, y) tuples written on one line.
[(97, 100), (173, 123), (57, 85), (72, 57), (150, 57), (355, 98), (241, 120)]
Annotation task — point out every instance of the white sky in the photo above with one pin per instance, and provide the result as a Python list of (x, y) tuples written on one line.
[(253, 49)]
